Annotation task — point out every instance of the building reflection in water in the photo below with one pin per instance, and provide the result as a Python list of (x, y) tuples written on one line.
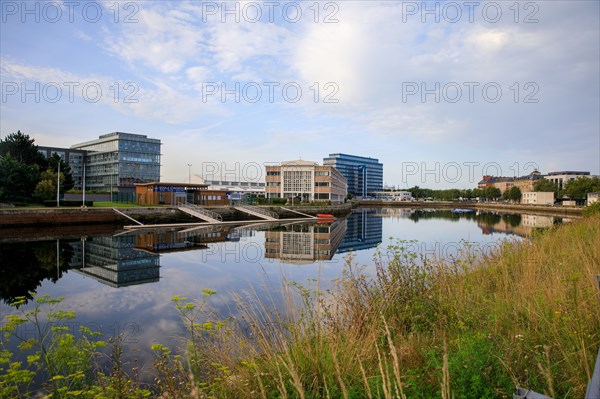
[(305, 243), (115, 261), (363, 231)]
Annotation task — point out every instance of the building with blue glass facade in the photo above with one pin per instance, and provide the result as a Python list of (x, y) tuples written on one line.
[(117, 161), (114, 162), (364, 174)]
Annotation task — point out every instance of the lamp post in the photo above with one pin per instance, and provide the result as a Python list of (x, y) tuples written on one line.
[(189, 173), (58, 186)]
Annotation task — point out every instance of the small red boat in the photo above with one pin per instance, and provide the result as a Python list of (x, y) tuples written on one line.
[(325, 216)]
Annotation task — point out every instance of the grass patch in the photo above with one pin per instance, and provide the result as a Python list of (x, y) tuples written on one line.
[(108, 204)]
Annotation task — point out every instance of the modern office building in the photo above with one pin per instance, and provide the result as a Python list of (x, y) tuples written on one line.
[(561, 178), (117, 161), (307, 180), (114, 162), (364, 175), (75, 159)]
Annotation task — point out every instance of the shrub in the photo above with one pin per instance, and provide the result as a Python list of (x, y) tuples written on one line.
[(52, 203)]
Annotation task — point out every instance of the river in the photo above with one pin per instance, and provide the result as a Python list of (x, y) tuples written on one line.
[(123, 282)]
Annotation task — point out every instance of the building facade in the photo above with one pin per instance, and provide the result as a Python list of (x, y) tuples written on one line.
[(526, 183), (156, 193), (500, 182), (75, 159), (592, 198), (307, 180), (117, 161), (393, 195), (561, 178), (364, 174), (538, 198)]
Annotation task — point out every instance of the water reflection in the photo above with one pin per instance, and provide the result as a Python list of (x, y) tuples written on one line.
[(125, 259), (363, 231), (488, 221), (24, 266), (305, 243), (114, 261)]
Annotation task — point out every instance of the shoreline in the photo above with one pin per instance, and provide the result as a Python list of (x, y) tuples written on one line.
[(56, 217), (532, 209)]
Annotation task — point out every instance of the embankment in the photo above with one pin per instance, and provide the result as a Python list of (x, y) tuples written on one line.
[(34, 217), (532, 209)]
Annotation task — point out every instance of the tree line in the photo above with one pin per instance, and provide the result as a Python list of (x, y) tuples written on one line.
[(573, 189), (28, 176)]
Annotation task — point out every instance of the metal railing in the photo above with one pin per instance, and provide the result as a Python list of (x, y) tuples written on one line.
[(258, 210), (202, 211)]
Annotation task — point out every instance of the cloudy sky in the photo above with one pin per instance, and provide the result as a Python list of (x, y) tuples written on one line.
[(439, 92)]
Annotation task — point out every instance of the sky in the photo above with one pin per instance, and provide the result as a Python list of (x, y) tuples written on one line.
[(440, 92)]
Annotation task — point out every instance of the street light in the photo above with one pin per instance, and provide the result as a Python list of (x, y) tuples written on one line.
[(189, 173)]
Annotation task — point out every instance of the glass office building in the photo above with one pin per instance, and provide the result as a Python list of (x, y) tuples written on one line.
[(364, 175), (115, 162), (75, 159)]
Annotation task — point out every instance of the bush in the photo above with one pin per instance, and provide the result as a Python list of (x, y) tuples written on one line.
[(279, 201), (591, 210), (52, 203)]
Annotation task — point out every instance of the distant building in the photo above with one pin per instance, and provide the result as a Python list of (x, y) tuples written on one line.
[(364, 174), (592, 198), (393, 195), (501, 182), (538, 198), (112, 163), (307, 180), (526, 183), (561, 178), (75, 159), (117, 161), (156, 193)]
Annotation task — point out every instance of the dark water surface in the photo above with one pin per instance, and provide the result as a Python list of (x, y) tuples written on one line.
[(122, 282)]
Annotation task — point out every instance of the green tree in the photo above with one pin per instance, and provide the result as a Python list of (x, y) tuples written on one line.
[(17, 180), (46, 187), (546, 186), (492, 192), (580, 187), (513, 194), (22, 149), (67, 181)]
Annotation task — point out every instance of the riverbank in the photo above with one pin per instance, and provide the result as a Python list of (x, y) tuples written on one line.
[(25, 217), (514, 208), (524, 317)]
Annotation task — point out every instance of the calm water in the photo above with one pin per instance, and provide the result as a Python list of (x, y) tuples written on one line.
[(123, 282)]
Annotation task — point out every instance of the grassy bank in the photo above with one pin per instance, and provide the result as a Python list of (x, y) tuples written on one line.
[(526, 316)]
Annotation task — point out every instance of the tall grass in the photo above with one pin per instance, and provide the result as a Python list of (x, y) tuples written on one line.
[(525, 316)]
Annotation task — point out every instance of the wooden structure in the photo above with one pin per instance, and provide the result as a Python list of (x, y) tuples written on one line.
[(157, 193)]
